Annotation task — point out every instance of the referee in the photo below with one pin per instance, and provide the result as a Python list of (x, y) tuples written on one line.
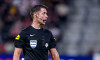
[(34, 40)]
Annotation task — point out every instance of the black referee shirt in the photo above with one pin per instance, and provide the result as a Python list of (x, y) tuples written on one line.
[(35, 43)]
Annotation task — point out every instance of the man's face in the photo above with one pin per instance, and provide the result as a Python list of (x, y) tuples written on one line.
[(42, 16)]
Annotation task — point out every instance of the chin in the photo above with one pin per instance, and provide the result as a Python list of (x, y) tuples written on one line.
[(42, 23)]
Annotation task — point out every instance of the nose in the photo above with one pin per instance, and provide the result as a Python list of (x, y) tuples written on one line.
[(46, 16)]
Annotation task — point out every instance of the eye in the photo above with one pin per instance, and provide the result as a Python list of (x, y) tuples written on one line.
[(44, 13)]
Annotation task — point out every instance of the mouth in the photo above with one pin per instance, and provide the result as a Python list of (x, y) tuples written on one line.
[(44, 20)]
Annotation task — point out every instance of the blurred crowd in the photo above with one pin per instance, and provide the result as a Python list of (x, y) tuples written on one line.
[(81, 35), (74, 24)]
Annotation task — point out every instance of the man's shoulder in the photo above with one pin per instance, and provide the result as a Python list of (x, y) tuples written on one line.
[(26, 29), (47, 31)]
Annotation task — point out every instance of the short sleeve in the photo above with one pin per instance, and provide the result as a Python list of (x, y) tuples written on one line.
[(20, 40), (52, 42)]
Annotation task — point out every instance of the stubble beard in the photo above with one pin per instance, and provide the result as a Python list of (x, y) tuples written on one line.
[(40, 21)]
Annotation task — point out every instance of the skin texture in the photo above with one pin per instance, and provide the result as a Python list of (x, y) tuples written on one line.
[(39, 20), (17, 53), (54, 54), (39, 17)]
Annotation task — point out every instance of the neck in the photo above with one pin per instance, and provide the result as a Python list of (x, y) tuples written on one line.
[(36, 24)]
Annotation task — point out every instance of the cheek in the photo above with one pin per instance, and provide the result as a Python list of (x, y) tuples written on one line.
[(41, 17)]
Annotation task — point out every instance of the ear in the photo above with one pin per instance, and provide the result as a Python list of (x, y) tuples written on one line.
[(36, 14)]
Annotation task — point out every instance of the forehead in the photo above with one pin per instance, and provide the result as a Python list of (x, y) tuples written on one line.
[(43, 10)]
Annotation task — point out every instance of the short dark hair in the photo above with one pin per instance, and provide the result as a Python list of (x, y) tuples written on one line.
[(37, 8)]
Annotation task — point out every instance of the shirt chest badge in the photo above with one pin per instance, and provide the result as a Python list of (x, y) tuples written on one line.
[(33, 43), (46, 45)]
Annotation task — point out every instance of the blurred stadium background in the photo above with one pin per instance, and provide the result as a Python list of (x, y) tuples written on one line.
[(74, 23)]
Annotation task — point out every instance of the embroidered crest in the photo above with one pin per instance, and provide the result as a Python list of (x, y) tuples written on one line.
[(33, 43)]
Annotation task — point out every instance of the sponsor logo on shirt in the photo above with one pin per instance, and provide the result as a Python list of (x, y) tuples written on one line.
[(18, 37), (33, 43)]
